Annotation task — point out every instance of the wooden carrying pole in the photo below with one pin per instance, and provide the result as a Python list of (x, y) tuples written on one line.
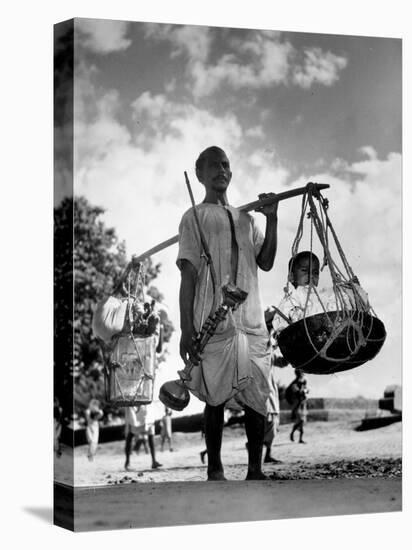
[(245, 208)]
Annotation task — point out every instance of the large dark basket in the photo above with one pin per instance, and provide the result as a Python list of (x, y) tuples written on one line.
[(332, 342)]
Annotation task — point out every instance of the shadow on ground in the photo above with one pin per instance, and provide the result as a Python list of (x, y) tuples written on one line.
[(41, 512)]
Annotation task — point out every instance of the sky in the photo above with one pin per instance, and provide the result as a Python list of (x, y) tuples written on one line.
[(288, 108)]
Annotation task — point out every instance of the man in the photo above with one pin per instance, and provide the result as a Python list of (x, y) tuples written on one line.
[(236, 360)]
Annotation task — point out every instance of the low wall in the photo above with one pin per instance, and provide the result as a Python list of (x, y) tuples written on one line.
[(328, 403), (192, 423), (319, 409)]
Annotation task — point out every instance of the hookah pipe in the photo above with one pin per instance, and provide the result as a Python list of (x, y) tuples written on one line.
[(233, 296), (174, 394)]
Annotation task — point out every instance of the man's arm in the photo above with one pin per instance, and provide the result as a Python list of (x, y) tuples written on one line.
[(186, 302), (268, 251)]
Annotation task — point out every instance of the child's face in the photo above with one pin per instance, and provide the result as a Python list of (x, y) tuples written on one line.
[(303, 274)]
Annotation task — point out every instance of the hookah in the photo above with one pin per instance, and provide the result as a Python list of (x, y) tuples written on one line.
[(174, 394)]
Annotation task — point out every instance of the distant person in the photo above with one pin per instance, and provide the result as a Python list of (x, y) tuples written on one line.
[(298, 392), (93, 414), (139, 422), (272, 419), (166, 429), (57, 416)]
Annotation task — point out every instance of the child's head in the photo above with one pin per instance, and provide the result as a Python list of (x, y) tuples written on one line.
[(304, 269)]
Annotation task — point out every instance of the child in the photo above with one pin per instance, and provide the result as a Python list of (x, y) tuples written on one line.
[(139, 422), (93, 414), (166, 429), (303, 269), (299, 391), (304, 299)]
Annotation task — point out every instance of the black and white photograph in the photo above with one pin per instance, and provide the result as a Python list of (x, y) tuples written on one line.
[(205, 271), (235, 197)]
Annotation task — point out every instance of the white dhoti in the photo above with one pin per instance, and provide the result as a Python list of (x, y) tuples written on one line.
[(234, 364)]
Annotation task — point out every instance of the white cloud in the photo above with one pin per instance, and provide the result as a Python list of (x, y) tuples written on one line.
[(263, 61), (260, 60), (194, 41), (255, 132), (168, 122), (268, 64), (368, 151), (318, 67), (152, 105), (102, 36)]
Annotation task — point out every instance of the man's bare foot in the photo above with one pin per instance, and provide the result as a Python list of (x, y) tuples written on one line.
[(301, 441), (155, 465), (127, 466), (216, 476), (256, 476)]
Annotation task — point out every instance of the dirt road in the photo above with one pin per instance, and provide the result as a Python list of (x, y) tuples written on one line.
[(194, 503)]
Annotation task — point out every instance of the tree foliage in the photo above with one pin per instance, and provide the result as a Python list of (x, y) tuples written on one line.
[(89, 259)]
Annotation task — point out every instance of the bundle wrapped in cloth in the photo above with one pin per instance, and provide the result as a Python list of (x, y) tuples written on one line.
[(109, 318), (115, 315)]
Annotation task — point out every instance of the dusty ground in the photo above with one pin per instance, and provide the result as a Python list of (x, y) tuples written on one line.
[(339, 471), (333, 449)]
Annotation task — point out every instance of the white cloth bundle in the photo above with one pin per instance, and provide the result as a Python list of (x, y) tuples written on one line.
[(109, 318)]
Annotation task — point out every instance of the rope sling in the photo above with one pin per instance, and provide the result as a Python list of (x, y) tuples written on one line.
[(129, 371), (336, 339)]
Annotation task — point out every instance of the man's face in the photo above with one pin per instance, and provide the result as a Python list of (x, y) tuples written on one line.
[(215, 173), (303, 274)]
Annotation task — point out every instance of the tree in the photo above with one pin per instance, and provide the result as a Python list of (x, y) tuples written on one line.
[(89, 259)]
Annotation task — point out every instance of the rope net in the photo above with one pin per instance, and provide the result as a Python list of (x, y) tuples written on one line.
[(347, 332), (130, 358)]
